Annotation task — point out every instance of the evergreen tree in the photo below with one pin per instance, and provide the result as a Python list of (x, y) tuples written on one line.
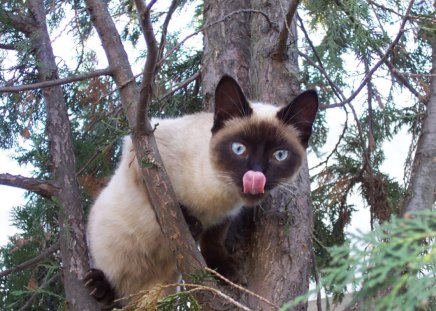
[(364, 58)]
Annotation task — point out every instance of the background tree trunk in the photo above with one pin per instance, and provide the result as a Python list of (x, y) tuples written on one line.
[(226, 46), (71, 221), (273, 241), (421, 194)]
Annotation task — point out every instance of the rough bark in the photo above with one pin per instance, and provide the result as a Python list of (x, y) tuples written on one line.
[(273, 79), (226, 46), (277, 250), (71, 221), (44, 188), (286, 228), (421, 194)]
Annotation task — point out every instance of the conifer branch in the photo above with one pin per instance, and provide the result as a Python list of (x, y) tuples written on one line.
[(29, 302), (21, 23), (44, 188), (33, 261), (336, 89), (383, 60), (51, 83)]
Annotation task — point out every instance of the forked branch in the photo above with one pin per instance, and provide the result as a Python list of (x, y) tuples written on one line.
[(280, 50), (146, 91)]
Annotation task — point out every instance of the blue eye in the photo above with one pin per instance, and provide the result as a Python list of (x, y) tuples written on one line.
[(281, 155), (238, 148)]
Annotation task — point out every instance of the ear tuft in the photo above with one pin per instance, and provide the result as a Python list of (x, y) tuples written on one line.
[(301, 113), (230, 102)]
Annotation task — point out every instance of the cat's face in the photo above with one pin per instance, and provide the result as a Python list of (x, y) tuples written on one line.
[(258, 147)]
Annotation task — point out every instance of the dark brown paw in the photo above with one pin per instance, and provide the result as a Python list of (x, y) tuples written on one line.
[(99, 287)]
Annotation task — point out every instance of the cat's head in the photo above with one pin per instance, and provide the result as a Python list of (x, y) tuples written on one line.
[(259, 146)]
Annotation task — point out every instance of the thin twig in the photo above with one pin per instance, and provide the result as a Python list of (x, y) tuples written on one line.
[(335, 149), (192, 288), (33, 261), (336, 89), (51, 83), (37, 292), (221, 294), (316, 275), (182, 84), (384, 57), (242, 289)]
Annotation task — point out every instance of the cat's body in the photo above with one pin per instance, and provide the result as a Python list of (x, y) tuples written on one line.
[(251, 149)]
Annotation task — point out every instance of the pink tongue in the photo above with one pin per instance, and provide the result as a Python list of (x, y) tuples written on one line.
[(254, 182)]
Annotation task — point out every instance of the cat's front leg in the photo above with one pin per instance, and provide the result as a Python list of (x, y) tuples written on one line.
[(215, 252)]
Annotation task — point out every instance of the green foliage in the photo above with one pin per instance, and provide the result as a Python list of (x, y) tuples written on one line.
[(38, 223), (390, 268), (345, 39)]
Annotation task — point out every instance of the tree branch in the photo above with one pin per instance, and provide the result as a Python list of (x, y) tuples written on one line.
[(163, 37), (383, 60), (145, 94), (44, 188), (279, 52), (7, 46), (31, 262), (156, 181), (336, 89), (45, 84), (402, 79), (23, 24), (38, 292)]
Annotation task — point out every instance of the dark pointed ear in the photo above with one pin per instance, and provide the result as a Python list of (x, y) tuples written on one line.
[(301, 113), (230, 102)]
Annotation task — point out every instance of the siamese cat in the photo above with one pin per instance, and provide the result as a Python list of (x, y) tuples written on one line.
[(217, 163)]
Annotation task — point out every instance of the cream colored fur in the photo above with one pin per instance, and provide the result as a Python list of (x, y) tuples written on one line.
[(126, 242)]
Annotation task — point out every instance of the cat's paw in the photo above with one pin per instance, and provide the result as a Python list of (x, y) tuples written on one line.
[(99, 287)]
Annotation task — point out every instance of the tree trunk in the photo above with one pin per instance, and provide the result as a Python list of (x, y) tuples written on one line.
[(71, 221), (276, 248), (421, 194), (226, 46)]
